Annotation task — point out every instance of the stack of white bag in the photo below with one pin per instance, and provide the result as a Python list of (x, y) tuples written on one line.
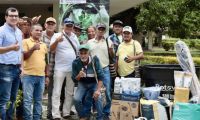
[(182, 79), (185, 60), (129, 86)]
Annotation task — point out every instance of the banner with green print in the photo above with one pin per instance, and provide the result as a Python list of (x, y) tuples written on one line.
[(86, 13)]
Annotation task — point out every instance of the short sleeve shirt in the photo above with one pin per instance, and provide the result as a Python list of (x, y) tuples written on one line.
[(35, 64), (124, 50), (100, 49), (10, 36)]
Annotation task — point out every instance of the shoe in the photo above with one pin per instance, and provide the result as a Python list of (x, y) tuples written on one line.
[(106, 118), (84, 118), (72, 113), (57, 119), (67, 117), (49, 117)]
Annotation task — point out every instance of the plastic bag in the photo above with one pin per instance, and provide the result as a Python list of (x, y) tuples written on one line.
[(151, 93)]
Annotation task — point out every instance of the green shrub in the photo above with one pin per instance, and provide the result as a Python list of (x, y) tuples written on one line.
[(165, 60), (197, 46), (192, 44), (168, 45)]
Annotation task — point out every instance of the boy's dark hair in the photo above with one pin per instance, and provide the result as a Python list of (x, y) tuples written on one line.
[(12, 9)]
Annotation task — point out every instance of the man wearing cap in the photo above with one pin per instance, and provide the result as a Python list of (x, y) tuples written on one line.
[(100, 48), (116, 37), (65, 45), (128, 51), (84, 70), (50, 27), (77, 30)]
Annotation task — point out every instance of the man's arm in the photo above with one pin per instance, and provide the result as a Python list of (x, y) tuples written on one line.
[(54, 45), (111, 48), (28, 53), (14, 47), (22, 65), (111, 51), (136, 57), (76, 76)]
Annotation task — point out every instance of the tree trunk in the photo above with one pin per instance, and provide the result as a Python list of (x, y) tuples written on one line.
[(150, 37)]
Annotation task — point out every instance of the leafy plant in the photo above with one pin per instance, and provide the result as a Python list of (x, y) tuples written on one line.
[(168, 45), (165, 60), (180, 18)]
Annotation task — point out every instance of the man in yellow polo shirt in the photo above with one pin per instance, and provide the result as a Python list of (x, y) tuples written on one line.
[(34, 73), (128, 51)]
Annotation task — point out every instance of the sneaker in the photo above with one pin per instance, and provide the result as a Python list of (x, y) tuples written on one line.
[(106, 118), (57, 119), (67, 117), (85, 118), (49, 116), (72, 113)]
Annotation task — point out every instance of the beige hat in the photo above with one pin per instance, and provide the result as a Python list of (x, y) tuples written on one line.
[(50, 19), (128, 29)]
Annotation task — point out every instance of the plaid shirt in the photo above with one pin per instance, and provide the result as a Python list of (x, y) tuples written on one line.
[(51, 55)]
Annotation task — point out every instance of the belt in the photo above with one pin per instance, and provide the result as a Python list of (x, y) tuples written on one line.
[(11, 65)]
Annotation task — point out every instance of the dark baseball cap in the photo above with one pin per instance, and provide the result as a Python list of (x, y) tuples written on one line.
[(101, 25), (118, 22), (78, 26), (68, 21)]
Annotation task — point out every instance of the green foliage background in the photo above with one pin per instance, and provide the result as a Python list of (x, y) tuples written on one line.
[(181, 18)]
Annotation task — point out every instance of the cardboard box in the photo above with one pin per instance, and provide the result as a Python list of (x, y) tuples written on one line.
[(115, 110), (124, 110), (181, 94), (127, 97)]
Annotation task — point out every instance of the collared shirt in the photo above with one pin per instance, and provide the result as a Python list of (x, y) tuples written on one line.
[(35, 64), (124, 50), (100, 49), (88, 69), (51, 55), (10, 36), (116, 39), (64, 53)]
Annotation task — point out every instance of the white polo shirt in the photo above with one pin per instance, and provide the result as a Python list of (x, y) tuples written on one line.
[(64, 53)]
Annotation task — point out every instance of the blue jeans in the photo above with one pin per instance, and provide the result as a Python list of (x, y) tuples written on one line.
[(82, 106), (9, 84), (107, 84), (33, 88)]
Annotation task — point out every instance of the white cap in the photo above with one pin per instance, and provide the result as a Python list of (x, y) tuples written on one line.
[(128, 29)]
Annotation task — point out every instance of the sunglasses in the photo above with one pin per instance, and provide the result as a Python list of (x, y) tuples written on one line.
[(12, 16), (101, 29), (69, 25)]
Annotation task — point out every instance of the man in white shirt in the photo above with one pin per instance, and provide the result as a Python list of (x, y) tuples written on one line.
[(65, 45)]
